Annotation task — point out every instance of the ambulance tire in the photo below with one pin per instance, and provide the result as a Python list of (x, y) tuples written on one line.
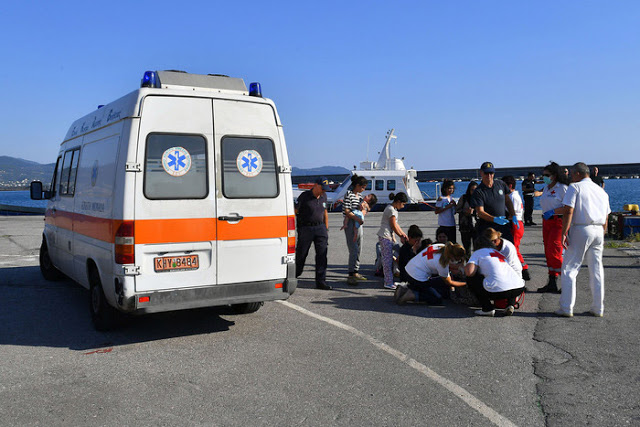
[(104, 317), (247, 307), (48, 270)]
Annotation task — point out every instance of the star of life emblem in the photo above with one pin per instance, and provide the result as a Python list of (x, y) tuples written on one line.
[(176, 161), (249, 163)]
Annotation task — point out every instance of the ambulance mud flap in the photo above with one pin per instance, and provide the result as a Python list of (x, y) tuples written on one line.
[(291, 283)]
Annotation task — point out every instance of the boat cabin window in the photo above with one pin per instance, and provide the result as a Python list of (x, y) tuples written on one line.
[(391, 185), (379, 184), (368, 185)]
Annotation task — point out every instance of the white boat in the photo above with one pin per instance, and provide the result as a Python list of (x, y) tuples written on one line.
[(386, 177)]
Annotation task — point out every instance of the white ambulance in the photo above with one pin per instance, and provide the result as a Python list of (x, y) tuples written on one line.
[(177, 195)]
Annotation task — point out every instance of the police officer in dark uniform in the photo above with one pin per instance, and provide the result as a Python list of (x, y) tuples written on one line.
[(313, 226), (528, 191), (492, 204)]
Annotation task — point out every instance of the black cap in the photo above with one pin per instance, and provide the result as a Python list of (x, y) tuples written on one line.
[(487, 167), (324, 182)]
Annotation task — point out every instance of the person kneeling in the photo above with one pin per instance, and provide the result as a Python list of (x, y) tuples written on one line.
[(490, 278), (428, 274)]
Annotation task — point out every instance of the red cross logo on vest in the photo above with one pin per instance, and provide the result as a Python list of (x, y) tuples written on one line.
[(498, 255), (553, 192), (429, 252)]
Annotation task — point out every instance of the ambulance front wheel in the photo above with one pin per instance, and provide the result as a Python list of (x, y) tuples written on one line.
[(247, 307), (48, 270), (104, 316)]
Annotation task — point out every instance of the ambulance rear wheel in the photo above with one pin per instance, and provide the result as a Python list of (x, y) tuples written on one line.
[(48, 270), (247, 307), (104, 316)]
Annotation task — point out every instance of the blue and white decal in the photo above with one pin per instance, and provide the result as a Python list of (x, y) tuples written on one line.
[(176, 161), (249, 163)]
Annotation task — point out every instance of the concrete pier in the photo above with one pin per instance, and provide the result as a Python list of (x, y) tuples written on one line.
[(348, 356)]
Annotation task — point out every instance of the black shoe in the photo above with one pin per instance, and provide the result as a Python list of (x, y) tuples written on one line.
[(323, 286), (532, 223), (550, 287), (525, 275)]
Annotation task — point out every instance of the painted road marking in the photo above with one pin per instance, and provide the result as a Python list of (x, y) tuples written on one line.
[(458, 391)]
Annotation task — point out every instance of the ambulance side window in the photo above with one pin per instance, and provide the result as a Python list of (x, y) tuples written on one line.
[(69, 170), (249, 168), (175, 167), (54, 178)]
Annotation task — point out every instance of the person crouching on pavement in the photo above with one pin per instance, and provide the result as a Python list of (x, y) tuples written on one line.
[(429, 278), (413, 246), (517, 231), (490, 278), (505, 247)]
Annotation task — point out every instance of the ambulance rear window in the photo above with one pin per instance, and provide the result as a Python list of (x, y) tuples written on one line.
[(175, 167), (249, 168)]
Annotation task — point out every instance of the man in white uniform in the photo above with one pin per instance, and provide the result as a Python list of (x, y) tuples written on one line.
[(583, 226)]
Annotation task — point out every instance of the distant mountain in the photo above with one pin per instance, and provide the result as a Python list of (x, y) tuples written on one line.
[(16, 172), (322, 170)]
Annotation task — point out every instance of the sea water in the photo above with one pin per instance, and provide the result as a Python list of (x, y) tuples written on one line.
[(621, 192)]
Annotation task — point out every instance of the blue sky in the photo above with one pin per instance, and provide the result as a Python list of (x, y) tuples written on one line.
[(518, 83)]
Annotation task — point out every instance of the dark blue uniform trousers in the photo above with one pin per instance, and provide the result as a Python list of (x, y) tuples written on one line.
[(319, 236)]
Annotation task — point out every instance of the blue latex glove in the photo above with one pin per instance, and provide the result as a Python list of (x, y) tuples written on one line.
[(500, 220), (515, 222), (548, 214)]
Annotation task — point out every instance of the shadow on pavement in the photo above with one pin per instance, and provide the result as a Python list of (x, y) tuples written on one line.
[(35, 312)]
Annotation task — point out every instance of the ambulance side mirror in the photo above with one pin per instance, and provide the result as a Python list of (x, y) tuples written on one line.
[(36, 190)]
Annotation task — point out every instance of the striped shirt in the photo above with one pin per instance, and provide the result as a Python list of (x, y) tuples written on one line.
[(352, 201)]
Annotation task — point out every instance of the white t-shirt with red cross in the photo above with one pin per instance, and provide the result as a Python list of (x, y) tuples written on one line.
[(498, 274), (552, 197), (426, 264), (511, 254)]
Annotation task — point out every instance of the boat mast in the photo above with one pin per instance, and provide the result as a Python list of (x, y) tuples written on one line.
[(385, 154)]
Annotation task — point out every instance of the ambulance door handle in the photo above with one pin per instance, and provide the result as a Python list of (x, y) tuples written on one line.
[(230, 218)]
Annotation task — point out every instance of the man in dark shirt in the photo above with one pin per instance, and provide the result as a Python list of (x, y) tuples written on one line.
[(528, 190), (313, 227), (492, 203), (597, 179)]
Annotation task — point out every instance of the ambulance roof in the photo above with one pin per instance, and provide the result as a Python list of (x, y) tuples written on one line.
[(173, 83)]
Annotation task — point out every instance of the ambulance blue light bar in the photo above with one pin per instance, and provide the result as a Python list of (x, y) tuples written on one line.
[(255, 90), (150, 79)]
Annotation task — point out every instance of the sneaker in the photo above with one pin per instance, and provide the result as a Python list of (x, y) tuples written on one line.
[(359, 276), (509, 310), (525, 275), (596, 314), (408, 296), (563, 313), (489, 313), (323, 286), (400, 290), (392, 286), (351, 280)]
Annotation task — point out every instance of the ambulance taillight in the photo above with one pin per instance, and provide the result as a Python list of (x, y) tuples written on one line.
[(125, 248), (291, 234)]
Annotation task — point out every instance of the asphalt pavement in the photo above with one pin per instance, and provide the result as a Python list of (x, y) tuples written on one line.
[(348, 356)]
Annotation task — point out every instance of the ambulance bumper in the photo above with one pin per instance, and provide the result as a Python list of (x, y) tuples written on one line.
[(215, 295)]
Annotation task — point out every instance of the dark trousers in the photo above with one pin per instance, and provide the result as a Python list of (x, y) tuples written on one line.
[(528, 209), (485, 297), (482, 225), (319, 236), (467, 238), (432, 291)]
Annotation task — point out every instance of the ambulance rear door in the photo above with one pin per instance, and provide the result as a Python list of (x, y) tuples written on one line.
[(175, 204), (251, 195)]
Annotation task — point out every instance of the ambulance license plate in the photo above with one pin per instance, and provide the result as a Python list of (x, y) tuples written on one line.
[(175, 263)]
